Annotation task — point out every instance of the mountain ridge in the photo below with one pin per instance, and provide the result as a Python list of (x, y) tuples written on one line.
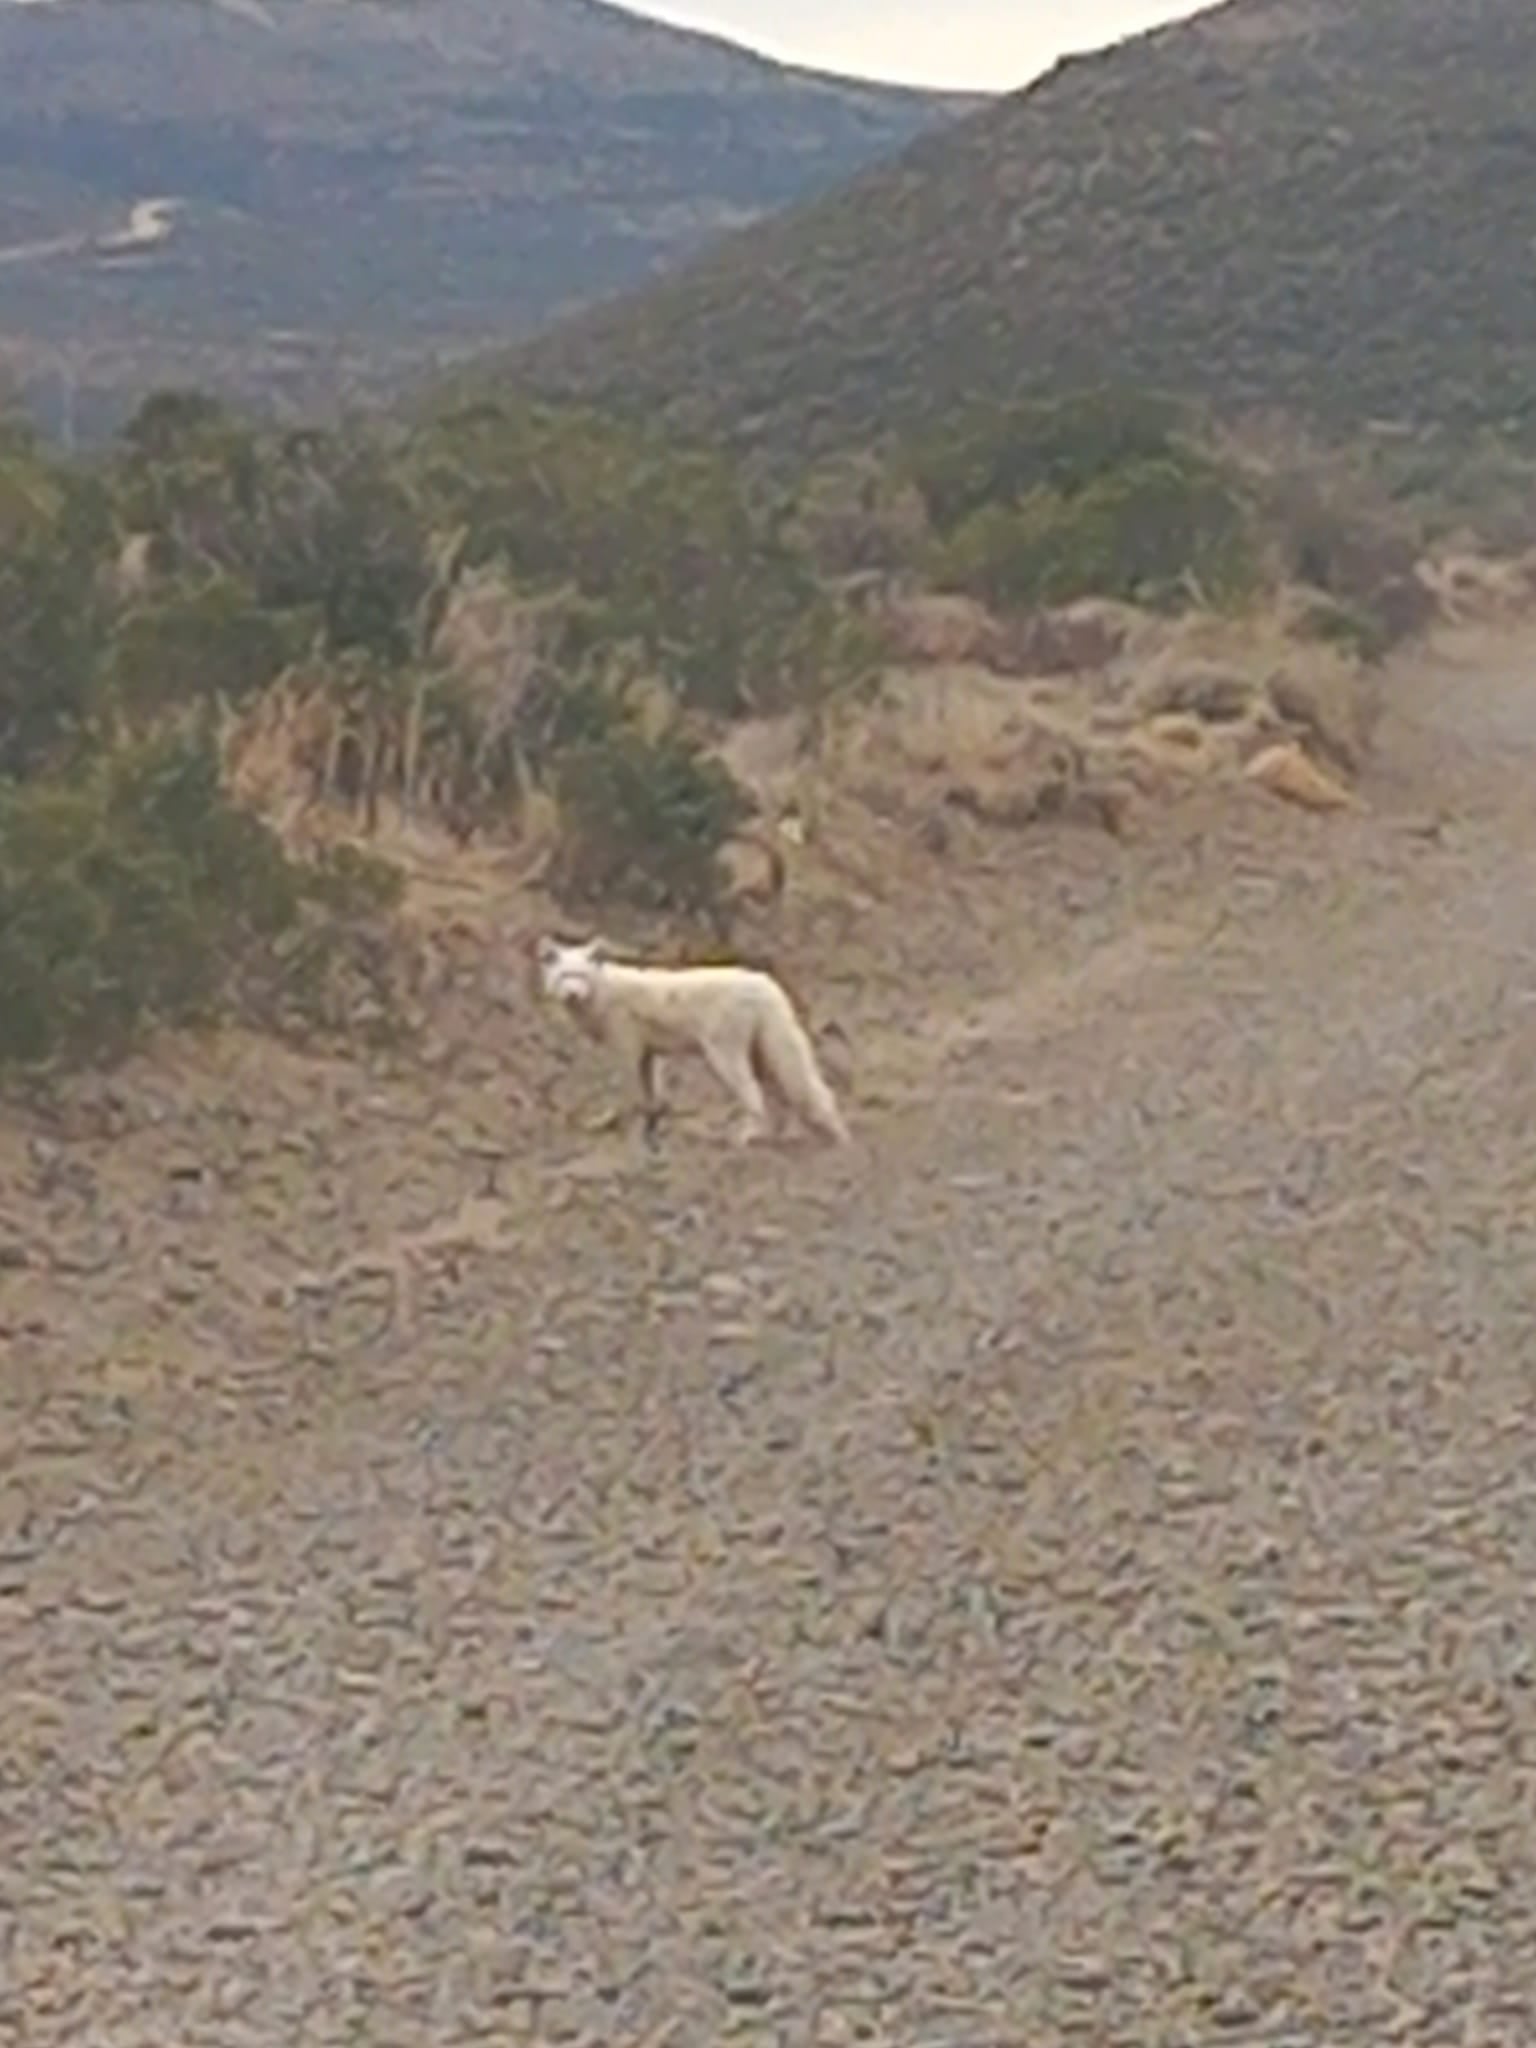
[(1309, 205)]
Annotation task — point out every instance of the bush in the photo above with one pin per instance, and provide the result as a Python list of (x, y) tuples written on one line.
[(662, 542), (340, 535), (558, 716), (1101, 494), (185, 644), (53, 529), (644, 821), (133, 892), (995, 455), (855, 514), (324, 524), (1331, 524), (189, 473), (1149, 533), (352, 884)]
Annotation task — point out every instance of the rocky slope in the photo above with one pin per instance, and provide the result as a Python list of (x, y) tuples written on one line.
[(1061, 1572)]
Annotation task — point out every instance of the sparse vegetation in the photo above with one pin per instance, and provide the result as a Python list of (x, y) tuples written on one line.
[(132, 888), (218, 627), (663, 544), (212, 586)]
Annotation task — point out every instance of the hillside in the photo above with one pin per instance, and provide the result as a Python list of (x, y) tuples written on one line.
[(367, 183), (1317, 204)]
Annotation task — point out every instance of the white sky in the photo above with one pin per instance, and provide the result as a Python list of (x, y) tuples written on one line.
[(971, 44)]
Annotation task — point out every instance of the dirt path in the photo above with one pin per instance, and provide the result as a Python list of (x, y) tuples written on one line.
[(1064, 1573)]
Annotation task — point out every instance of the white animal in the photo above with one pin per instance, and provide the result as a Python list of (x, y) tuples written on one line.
[(739, 1019)]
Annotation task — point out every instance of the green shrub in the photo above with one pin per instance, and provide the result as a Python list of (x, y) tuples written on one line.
[(644, 821), (351, 883), (190, 643), (173, 421), (662, 541), (853, 514), (321, 523), (559, 715), (339, 533), (1168, 526), (168, 789), (1152, 532), (995, 454), (190, 473), (1100, 494), (53, 532), (127, 892)]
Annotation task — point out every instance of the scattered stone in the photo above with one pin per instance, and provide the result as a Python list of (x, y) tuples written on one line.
[(1286, 771)]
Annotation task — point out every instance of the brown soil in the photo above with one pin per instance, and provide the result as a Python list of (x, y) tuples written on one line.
[(1061, 1572)]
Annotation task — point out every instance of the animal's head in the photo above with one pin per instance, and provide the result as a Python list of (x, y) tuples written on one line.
[(568, 973)]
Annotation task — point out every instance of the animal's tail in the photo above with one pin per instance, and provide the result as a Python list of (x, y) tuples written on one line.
[(785, 1050)]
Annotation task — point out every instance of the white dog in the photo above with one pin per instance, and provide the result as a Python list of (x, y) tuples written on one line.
[(738, 1019)]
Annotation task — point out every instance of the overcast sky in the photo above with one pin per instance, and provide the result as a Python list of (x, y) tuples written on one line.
[(968, 43)]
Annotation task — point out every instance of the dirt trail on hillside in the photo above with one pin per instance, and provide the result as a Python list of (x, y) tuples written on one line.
[(1062, 1572)]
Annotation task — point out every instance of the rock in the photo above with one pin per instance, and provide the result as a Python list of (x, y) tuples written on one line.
[(942, 632), (1106, 804), (734, 1333), (1330, 707), (1066, 641), (1177, 729), (1286, 771), (933, 835), (1201, 689), (1032, 779), (952, 631), (725, 1287), (1404, 606)]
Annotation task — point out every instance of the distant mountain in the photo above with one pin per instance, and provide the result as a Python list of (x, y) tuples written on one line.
[(1323, 205), (362, 183)]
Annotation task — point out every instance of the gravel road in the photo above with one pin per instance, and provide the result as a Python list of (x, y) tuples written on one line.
[(1064, 1572)]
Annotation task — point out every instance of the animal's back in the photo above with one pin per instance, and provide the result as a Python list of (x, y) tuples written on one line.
[(695, 988), (726, 976)]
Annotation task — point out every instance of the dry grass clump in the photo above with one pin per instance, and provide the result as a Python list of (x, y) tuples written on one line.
[(1469, 585), (1165, 703)]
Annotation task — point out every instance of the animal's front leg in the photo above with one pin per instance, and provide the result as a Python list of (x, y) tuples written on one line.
[(652, 1108)]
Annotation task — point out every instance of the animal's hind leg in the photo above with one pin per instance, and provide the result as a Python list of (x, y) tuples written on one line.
[(732, 1065)]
